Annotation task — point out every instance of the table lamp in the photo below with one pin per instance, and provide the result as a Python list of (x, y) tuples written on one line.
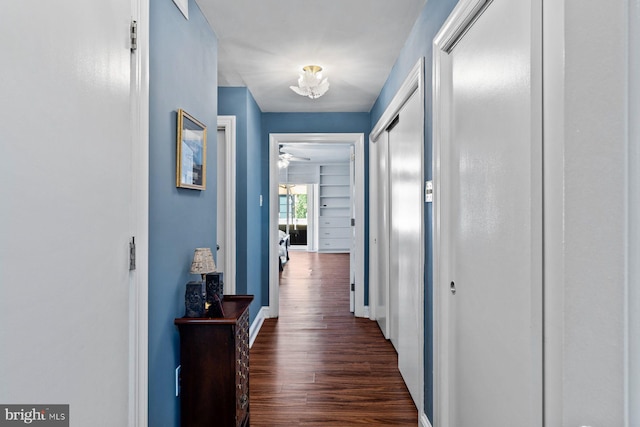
[(202, 263), (194, 298)]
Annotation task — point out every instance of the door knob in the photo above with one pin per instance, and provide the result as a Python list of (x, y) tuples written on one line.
[(453, 288)]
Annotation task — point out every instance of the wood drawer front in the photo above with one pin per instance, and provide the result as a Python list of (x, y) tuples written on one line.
[(242, 368), (334, 222), (334, 233)]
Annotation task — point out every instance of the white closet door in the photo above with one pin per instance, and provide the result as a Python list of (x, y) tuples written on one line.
[(383, 211), (406, 281), (492, 220)]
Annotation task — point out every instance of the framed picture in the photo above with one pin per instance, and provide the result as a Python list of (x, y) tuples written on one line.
[(192, 153)]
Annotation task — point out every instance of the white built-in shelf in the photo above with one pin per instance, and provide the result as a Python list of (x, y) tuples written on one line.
[(334, 226)]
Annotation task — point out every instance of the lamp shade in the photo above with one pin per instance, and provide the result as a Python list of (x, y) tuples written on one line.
[(202, 261)]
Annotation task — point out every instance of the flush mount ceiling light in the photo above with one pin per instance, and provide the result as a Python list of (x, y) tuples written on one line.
[(311, 83)]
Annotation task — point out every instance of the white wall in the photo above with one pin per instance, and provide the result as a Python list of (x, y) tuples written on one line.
[(66, 207), (585, 211)]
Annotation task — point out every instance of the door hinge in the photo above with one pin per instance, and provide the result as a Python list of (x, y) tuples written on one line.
[(134, 36), (353, 222), (353, 287), (132, 254)]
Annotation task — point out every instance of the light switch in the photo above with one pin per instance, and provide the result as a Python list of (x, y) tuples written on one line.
[(428, 191)]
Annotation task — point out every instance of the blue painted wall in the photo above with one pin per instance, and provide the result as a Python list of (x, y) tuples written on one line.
[(419, 44), (315, 123), (179, 219), (250, 247), (257, 244)]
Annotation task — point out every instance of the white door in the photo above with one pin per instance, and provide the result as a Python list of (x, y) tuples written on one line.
[(226, 208), (68, 213), (381, 269), (406, 278), (491, 175), (222, 205)]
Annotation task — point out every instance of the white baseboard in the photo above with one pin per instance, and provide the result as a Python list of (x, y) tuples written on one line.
[(367, 313), (424, 421), (257, 324)]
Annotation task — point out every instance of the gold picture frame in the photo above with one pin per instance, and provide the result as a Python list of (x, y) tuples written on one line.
[(191, 162)]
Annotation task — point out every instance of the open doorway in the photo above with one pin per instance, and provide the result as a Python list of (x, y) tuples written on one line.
[(295, 218), (335, 205), (226, 209)]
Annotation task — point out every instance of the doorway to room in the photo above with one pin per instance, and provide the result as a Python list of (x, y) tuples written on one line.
[(331, 206), (295, 219), (226, 209)]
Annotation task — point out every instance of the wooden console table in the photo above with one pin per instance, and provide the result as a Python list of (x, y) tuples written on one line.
[(214, 354)]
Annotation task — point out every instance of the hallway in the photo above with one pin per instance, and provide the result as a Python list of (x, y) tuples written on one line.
[(317, 365)]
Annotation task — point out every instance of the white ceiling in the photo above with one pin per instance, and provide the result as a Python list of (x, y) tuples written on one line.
[(263, 45)]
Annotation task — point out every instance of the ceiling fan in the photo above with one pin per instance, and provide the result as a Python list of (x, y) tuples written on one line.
[(284, 156)]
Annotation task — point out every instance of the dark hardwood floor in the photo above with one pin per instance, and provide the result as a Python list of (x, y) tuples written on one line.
[(318, 365)]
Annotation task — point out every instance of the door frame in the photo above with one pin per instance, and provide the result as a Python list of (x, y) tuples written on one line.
[(633, 298), (374, 206), (413, 84), (455, 27), (139, 278), (275, 139), (227, 124), (353, 192), (379, 220)]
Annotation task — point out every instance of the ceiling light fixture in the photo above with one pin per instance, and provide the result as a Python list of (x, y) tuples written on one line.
[(311, 83), (283, 163)]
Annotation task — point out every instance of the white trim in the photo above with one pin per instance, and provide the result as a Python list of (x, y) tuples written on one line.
[(312, 217), (353, 242), (357, 139), (374, 280), (424, 421), (440, 249), (366, 312), (459, 22), (596, 103), (228, 125), (254, 330), (183, 6), (633, 281), (414, 82), (139, 289)]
